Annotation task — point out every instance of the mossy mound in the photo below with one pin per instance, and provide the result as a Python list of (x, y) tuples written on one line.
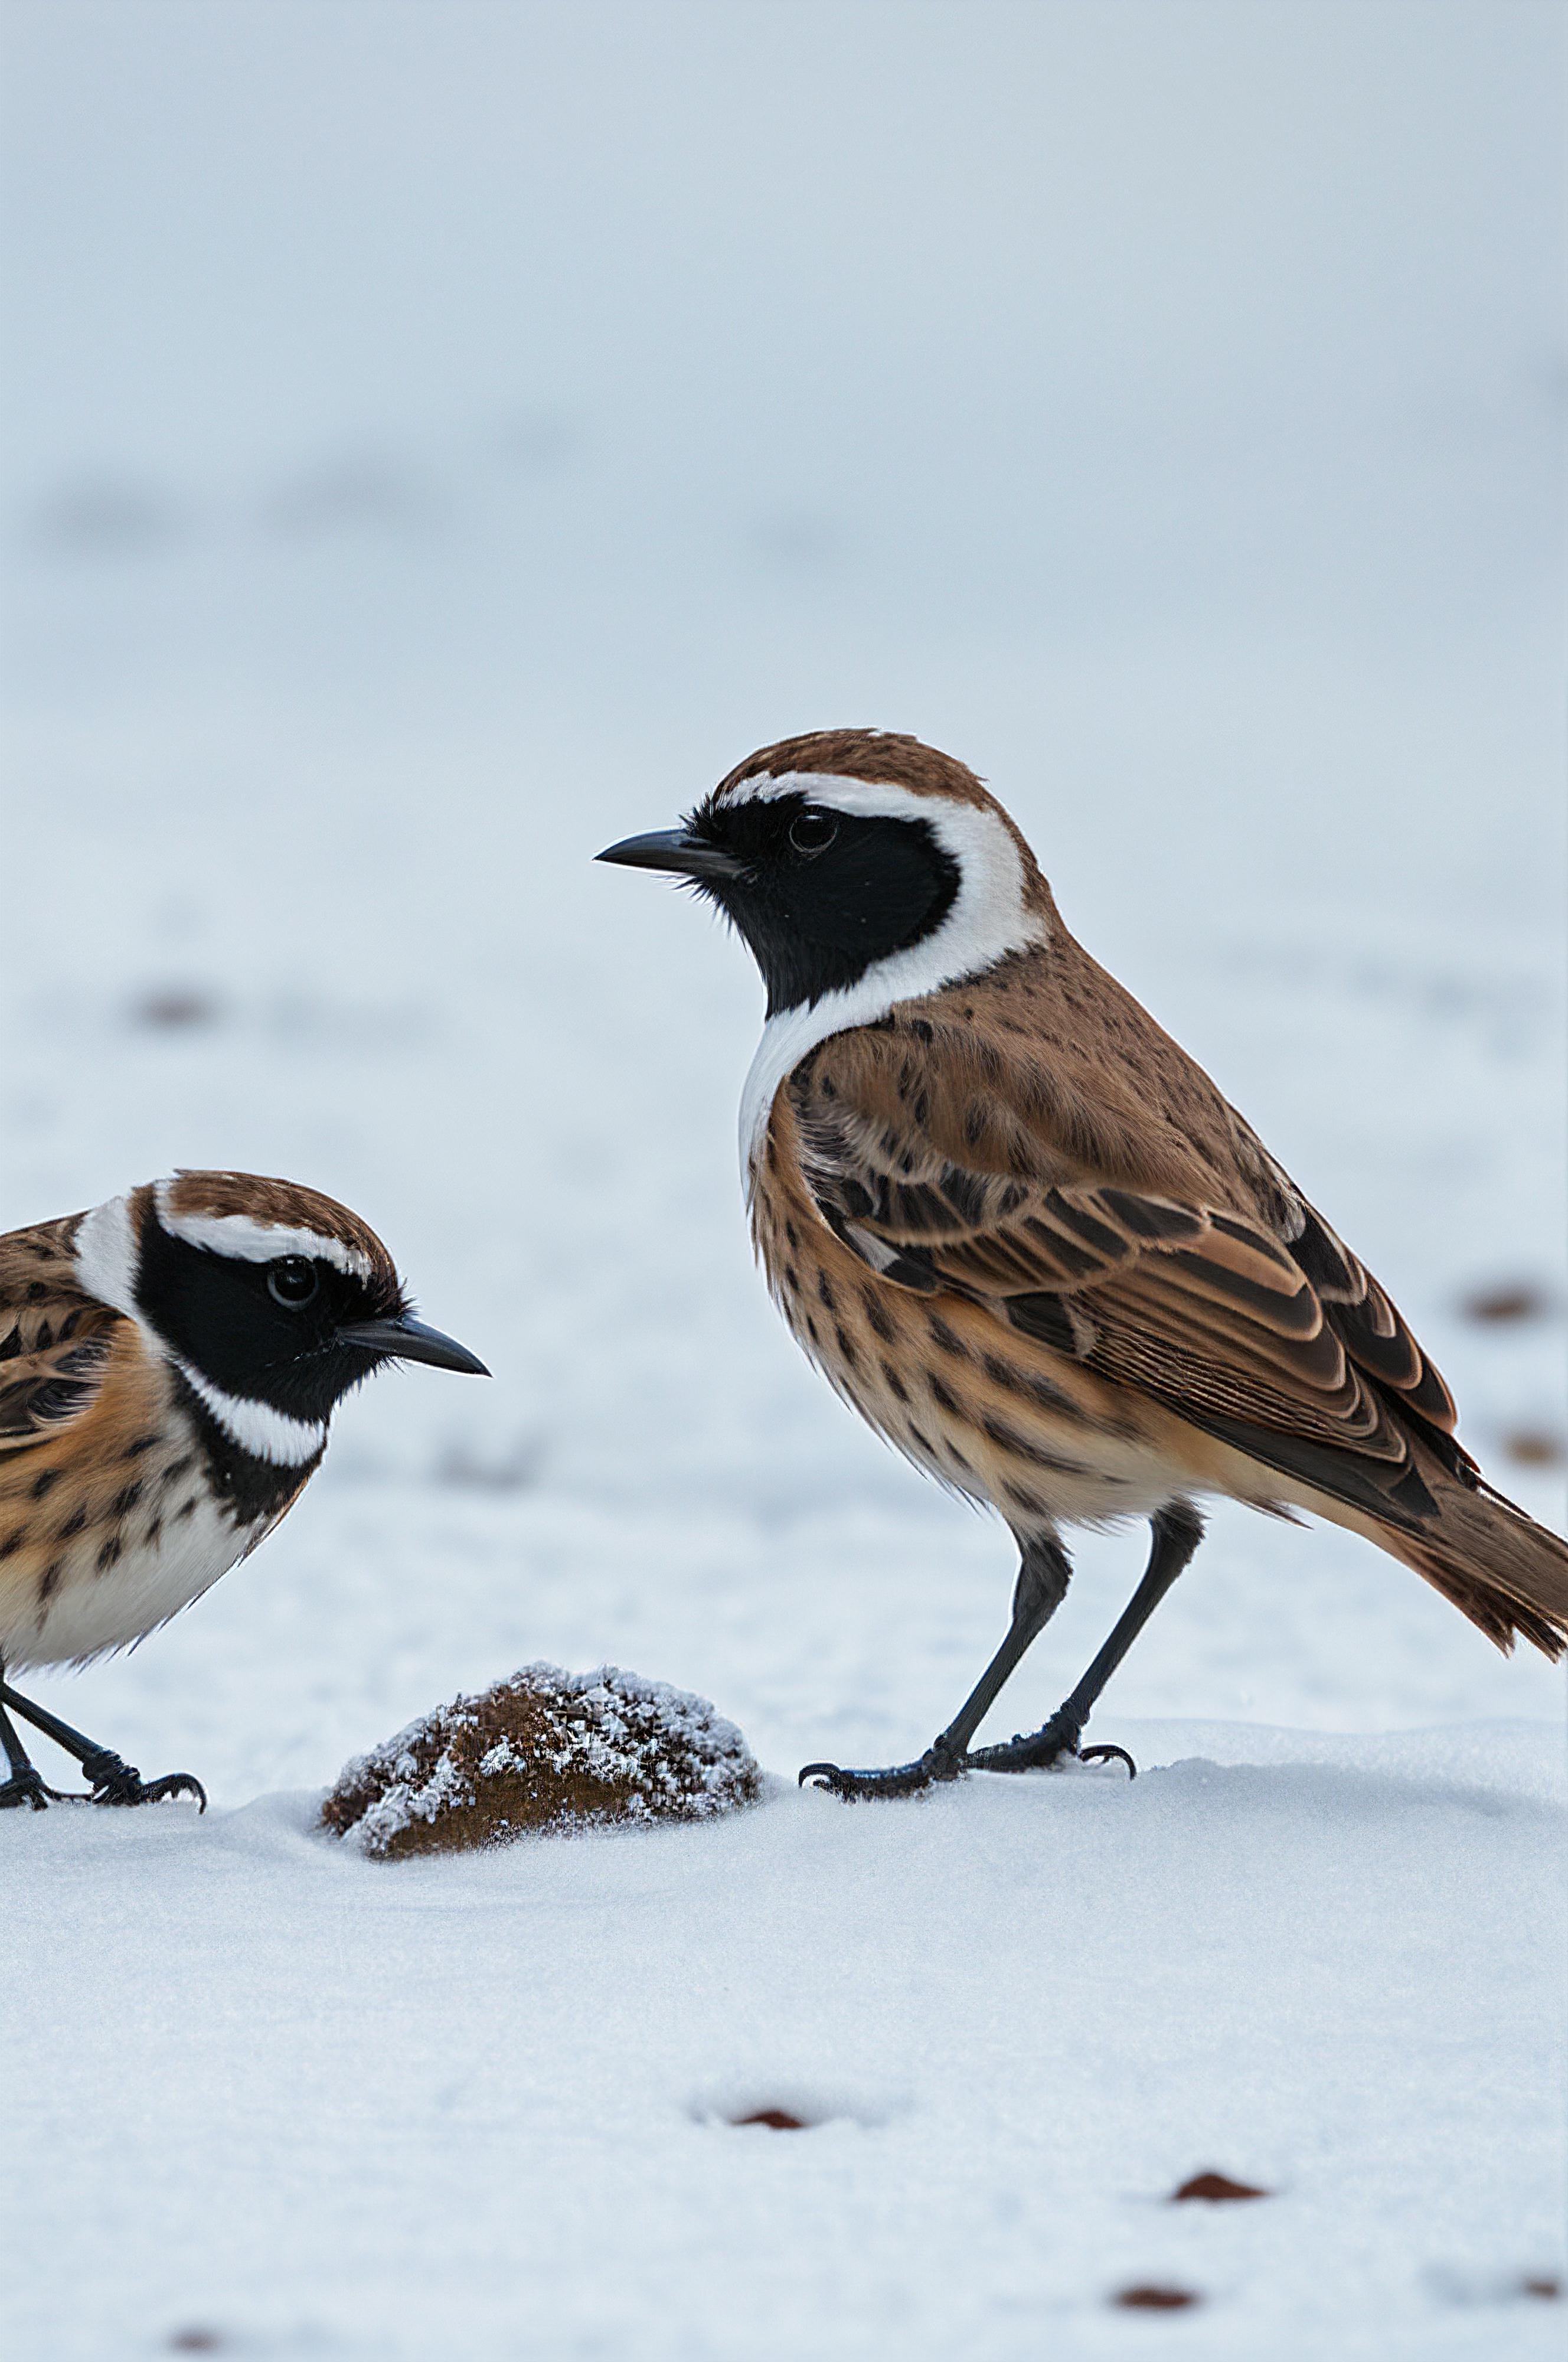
[(544, 1751)]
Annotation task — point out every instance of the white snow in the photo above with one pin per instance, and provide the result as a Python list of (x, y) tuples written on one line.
[(324, 2106), (441, 442)]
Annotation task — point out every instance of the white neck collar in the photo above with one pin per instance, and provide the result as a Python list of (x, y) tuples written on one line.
[(256, 1427), (989, 920)]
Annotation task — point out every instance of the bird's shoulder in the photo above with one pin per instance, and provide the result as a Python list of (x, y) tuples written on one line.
[(55, 1339), (1046, 1068)]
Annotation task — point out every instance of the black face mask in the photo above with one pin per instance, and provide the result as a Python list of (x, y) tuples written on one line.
[(265, 1332), (818, 895)]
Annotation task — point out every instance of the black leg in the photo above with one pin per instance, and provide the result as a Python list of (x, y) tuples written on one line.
[(23, 1785), (112, 1782), (1177, 1530), (1041, 1585)]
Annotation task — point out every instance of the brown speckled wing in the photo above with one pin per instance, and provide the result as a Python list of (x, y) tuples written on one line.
[(54, 1338), (1237, 1307)]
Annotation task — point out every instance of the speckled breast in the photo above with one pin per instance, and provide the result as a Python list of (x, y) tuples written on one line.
[(991, 1413), (109, 1526)]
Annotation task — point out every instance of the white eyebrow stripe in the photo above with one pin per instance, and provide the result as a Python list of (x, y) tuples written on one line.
[(256, 1427), (247, 1240), (870, 798)]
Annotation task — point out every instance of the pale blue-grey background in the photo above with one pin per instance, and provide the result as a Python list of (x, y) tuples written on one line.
[(439, 438)]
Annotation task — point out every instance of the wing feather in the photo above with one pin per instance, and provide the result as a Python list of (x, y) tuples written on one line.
[(1252, 1321), (54, 1338)]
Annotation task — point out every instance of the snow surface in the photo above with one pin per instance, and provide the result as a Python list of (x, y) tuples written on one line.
[(439, 443), (483, 2105)]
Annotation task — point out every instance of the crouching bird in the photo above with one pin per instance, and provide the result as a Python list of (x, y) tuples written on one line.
[(1020, 1229), (169, 1366)]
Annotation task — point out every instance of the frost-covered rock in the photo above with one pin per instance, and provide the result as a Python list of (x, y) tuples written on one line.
[(546, 1750)]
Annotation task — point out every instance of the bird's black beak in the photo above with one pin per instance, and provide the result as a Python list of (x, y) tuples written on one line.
[(407, 1339), (676, 849)]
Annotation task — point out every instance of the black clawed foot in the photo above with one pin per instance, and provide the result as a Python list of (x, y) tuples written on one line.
[(1037, 1750), (1056, 1741), (936, 1764), (25, 1788), (1032, 1751), (117, 1782)]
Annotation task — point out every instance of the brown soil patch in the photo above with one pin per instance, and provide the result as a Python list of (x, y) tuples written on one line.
[(546, 1750)]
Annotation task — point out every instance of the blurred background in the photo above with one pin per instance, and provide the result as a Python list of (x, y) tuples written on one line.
[(440, 439)]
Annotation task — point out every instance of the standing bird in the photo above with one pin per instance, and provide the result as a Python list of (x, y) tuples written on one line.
[(169, 1366), (1020, 1229)]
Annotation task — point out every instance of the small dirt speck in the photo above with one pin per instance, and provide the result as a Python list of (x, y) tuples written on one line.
[(513, 1471), (196, 2340), (1510, 1300), (1534, 1447), (175, 1009), (1218, 2189), (1150, 2299), (1541, 2284), (778, 2120)]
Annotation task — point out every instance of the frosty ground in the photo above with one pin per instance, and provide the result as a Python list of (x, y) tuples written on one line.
[(311, 2106), (265, 2092), (435, 456)]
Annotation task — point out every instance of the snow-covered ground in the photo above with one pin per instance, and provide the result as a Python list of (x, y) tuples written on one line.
[(314, 2106), (432, 456)]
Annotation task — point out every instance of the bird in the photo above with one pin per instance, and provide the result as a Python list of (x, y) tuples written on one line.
[(170, 1363), (1021, 1232)]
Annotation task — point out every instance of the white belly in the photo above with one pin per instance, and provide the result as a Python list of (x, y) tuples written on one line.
[(93, 1612)]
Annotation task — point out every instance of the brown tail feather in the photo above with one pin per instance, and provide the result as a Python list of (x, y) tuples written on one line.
[(1498, 1567)]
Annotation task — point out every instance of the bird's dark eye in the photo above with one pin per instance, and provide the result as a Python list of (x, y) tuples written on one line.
[(291, 1282), (812, 830)]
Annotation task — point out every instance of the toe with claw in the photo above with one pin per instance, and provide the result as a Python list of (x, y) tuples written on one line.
[(25, 1788), (938, 1763), (1105, 1754), (114, 1782), (1055, 1742), (1035, 1750)]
